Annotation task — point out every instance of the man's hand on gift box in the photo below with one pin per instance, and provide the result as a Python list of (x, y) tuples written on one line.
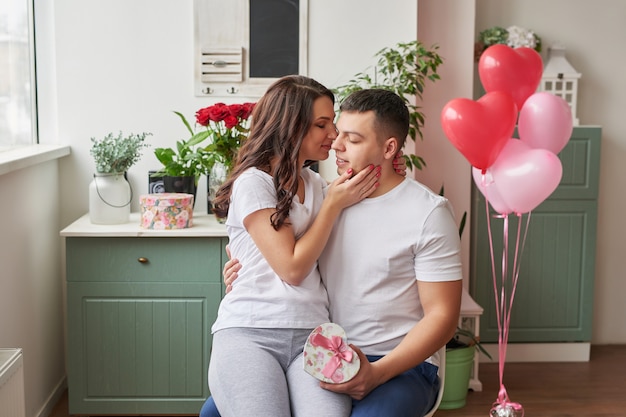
[(363, 382)]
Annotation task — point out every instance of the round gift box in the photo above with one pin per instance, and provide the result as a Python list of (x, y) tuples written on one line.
[(166, 211)]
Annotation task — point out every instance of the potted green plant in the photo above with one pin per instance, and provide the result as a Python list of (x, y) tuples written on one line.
[(186, 163), (403, 69), (513, 36), (459, 360), (110, 193)]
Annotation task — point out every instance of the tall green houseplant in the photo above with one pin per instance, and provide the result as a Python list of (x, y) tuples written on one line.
[(403, 69)]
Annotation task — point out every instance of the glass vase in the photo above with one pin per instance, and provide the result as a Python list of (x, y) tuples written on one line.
[(216, 178)]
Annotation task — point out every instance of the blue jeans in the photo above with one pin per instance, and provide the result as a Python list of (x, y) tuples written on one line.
[(411, 394)]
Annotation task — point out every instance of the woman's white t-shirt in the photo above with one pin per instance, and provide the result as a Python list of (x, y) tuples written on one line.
[(259, 298)]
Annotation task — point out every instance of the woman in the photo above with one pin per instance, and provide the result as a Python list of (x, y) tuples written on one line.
[(279, 217)]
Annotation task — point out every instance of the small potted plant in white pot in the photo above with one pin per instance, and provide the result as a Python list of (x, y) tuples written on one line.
[(110, 193)]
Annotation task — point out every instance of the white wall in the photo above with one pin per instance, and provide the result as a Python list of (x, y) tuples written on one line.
[(350, 46), (445, 165), (31, 311), (120, 66)]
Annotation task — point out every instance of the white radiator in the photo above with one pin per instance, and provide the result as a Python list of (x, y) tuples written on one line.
[(12, 402)]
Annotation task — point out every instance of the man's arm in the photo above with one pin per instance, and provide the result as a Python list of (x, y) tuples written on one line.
[(442, 306)]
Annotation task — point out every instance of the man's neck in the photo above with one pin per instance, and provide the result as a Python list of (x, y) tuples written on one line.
[(388, 180)]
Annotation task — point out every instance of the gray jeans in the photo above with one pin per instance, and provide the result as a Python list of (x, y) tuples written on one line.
[(259, 372)]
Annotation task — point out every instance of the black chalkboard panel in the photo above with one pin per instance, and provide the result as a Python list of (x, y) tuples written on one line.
[(274, 38)]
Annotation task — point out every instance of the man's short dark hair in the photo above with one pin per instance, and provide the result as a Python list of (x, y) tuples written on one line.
[(392, 115)]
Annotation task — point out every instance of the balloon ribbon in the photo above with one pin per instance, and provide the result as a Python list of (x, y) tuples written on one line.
[(503, 407)]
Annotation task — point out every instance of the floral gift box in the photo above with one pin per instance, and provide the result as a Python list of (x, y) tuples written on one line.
[(166, 211), (327, 355)]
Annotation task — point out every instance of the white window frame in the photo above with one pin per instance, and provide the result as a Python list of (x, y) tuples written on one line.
[(21, 120), (226, 25)]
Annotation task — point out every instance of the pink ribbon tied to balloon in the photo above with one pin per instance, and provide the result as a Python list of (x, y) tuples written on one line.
[(327, 355)]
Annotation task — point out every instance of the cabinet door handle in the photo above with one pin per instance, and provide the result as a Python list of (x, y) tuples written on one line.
[(143, 260)]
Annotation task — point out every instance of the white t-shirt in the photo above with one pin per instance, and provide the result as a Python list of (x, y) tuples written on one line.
[(259, 298), (376, 252)]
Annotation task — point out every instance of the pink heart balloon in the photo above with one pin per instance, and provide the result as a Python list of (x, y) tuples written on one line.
[(488, 188), (545, 122), (479, 129), (515, 71), (524, 176)]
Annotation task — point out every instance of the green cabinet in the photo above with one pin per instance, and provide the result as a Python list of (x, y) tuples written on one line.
[(139, 313), (554, 296)]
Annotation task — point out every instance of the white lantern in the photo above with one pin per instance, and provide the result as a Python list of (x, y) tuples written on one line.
[(560, 78)]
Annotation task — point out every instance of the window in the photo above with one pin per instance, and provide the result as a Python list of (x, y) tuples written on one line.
[(17, 87), (242, 46)]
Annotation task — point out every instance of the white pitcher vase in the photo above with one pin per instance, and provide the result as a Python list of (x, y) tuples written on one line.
[(109, 199)]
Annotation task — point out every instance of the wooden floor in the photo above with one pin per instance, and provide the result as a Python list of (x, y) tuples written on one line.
[(575, 389)]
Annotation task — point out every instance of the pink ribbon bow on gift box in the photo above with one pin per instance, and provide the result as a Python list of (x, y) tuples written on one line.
[(336, 345)]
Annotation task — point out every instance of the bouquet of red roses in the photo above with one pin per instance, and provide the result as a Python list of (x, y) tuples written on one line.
[(227, 125)]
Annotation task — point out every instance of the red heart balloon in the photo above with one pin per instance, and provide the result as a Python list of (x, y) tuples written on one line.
[(515, 71), (480, 129)]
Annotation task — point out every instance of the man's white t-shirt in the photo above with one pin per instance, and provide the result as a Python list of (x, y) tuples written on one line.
[(259, 297), (376, 252)]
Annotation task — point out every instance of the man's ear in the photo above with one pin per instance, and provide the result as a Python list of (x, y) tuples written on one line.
[(390, 148)]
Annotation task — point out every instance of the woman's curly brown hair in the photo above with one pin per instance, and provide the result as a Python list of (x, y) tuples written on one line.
[(280, 121)]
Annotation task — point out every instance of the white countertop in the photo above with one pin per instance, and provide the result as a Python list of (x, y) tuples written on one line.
[(204, 225)]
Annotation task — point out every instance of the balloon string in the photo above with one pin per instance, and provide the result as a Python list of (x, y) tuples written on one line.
[(491, 256), (507, 290), (498, 300), (519, 250), (491, 250), (506, 308), (503, 334)]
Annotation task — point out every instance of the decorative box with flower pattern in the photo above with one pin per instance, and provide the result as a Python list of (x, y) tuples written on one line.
[(166, 211), (327, 355)]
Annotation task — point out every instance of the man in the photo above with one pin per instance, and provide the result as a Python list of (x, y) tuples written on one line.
[(391, 267)]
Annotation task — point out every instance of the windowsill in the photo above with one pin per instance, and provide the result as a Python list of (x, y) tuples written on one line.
[(26, 156)]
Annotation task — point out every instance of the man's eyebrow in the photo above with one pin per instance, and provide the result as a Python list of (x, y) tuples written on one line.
[(352, 132)]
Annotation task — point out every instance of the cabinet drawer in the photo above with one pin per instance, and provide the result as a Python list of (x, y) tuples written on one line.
[(154, 259)]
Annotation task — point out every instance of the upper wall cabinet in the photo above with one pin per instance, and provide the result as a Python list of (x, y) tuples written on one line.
[(242, 46)]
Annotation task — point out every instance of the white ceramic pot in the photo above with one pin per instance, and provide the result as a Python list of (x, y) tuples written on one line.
[(109, 199)]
